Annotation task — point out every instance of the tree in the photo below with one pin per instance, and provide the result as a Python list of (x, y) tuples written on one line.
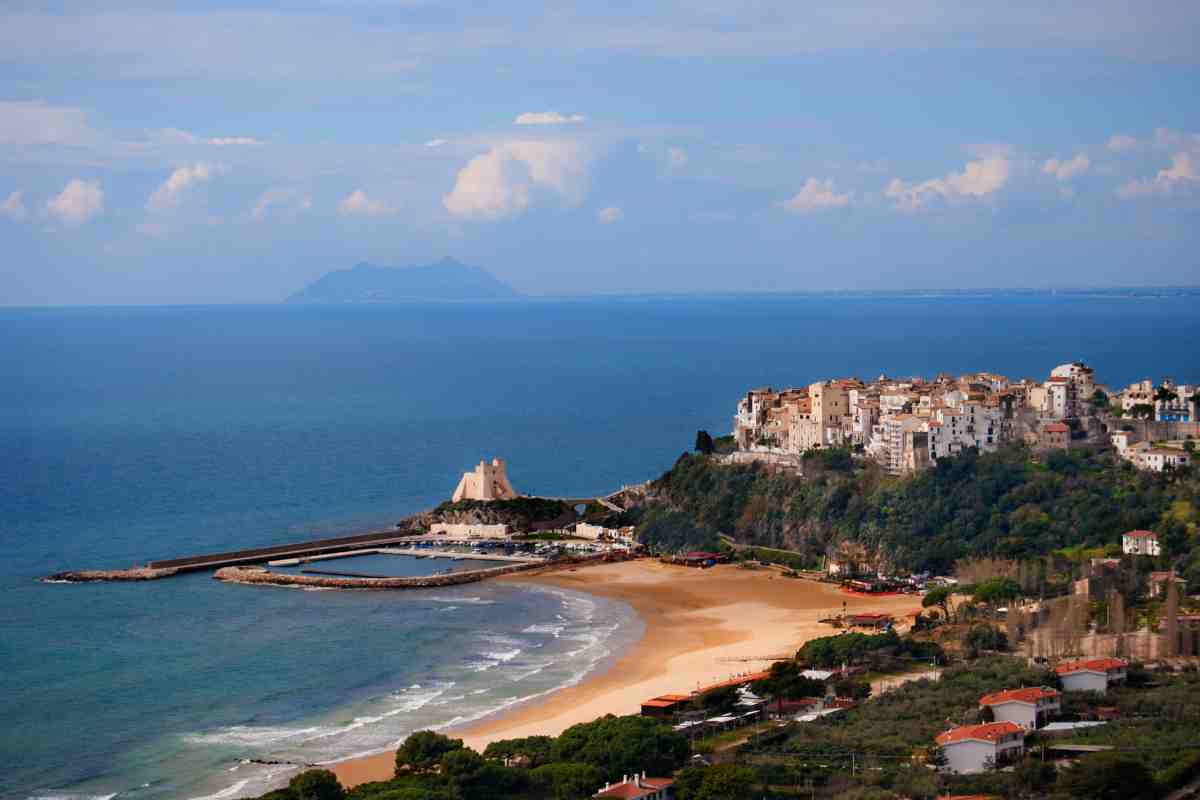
[(423, 751), (1099, 399), (984, 637), (619, 746), (1107, 776), (565, 781), (536, 748), (938, 596), (1165, 395), (704, 443), (727, 782), (996, 591), (855, 690), (316, 784), (688, 781), (1142, 410), (785, 680), (1033, 778)]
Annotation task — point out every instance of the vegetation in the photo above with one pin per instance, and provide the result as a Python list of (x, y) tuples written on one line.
[(520, 512), (879, 650), (431, 766), (1006, 504)]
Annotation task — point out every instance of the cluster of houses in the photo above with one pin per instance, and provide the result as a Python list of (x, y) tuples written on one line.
[(908, 424), (1018, 712)]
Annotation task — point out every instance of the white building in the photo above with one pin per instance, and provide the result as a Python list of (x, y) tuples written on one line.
[(1028, 707), (1091, 675), (974, 748), (469, 530), (1140, 543), (1159, 459)]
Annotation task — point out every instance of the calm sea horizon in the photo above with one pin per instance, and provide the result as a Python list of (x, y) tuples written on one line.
[(137, 433)]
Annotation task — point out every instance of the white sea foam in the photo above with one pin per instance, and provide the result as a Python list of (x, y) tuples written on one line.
[(503, 655), (230, 791), (72, 796), (552, 630), (250, 735), (479, 601)]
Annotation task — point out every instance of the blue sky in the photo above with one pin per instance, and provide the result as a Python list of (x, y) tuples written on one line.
[(231, 152)]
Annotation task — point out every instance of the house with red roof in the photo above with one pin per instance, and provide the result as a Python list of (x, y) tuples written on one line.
[(639, 787), (974, 748), (1091, 674), (1028, 707), (1140, 543)]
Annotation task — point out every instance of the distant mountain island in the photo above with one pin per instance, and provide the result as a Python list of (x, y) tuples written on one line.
[(367, 283)]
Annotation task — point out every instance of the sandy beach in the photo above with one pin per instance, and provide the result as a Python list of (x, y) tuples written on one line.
[(701, 626)]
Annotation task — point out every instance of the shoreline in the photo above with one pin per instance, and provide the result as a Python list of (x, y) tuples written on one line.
[(700, 626)]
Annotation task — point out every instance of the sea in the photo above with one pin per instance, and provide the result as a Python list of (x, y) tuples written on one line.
[(136, 433)]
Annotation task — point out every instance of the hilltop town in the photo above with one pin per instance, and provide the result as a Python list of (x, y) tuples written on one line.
[(906, 425)]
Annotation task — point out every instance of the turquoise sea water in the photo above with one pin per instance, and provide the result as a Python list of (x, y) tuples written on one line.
[(129, 434)]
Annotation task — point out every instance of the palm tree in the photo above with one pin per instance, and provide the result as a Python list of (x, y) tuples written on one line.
[(1165, 395)]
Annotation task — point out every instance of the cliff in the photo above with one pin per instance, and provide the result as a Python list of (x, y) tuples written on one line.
[(367, 283)]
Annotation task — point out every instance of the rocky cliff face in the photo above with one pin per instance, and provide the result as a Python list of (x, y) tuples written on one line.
[(521, 514)]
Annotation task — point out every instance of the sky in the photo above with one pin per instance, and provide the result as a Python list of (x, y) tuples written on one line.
[(231, 152)]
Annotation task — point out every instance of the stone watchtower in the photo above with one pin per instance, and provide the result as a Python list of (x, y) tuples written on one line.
[(486, 482)]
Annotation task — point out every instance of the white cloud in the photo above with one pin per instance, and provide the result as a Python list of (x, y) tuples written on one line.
[(546, 118), (435, 143), (816, 195), (177, 136), (677, 156), (13, 207), (978, 178), (78, 202), (173, 189), (1120, 143), (1182, 172), (359, 204), (610, 215), (36, 123), (1065, 170), (499, 183), (291, 200)]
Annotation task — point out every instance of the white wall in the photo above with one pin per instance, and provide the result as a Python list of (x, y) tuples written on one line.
[(1085, 682)]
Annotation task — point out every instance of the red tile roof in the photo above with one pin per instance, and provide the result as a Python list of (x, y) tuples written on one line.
[(1056, 427), (631, 791), (1090, 665), (1142, 534), (1030, 694), (990, 732)]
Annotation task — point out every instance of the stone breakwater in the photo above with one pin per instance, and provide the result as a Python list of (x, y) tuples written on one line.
[(92, 575), (258, 575)]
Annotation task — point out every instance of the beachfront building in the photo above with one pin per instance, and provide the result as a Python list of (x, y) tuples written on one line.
[(485, 482), (1140, 543), (1028, 707), (639, 787), (975, 748), (1091, 674), (469, 530), (665, 706)]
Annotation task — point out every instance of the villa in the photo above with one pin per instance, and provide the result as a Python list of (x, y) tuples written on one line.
[(975, 748), (639, 787), (1091, 675), (1027, 707)]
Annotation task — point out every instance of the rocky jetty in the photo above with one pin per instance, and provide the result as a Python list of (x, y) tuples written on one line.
[(258, 575), (93, 575)]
